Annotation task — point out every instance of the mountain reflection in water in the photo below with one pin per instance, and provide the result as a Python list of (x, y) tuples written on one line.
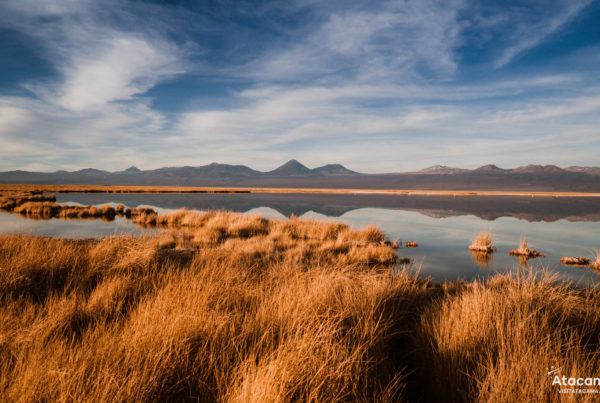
[(442, 226)]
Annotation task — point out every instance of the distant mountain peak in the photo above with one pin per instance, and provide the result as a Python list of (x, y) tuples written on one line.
[(132, 169), (91, 171), (333, 169), (294, 162), (490, 168), (538, 169), (292, 167)]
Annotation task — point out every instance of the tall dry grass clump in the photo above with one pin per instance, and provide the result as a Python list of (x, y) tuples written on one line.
[(525, 251), (596, 263), (482, 243), (494, 341)]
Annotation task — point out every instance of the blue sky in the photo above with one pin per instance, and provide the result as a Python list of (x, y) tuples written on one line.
[(377, 86)]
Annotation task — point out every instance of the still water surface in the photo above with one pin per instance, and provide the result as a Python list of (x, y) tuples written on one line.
[(442, 226)]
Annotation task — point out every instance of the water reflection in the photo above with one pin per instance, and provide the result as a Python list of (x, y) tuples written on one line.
[(531, 209), (483, 259), (442, 226), (67, 228)]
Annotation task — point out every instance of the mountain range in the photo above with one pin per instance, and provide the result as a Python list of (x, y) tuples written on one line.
[(295, 174)]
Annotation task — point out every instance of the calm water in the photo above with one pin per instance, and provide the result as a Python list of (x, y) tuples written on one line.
[(16, 224), (442, 226)]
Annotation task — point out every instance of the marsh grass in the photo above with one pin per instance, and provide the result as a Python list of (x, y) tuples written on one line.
[(525, 251), (240, 308), (482, 243), (493, 341), (37, 206), (575, 260), (595, 264), (10, 200)]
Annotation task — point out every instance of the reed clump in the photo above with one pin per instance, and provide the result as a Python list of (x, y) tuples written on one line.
[(219, 225), (9, 200), (596, 263), (525, 251), (575, 260), (493, 341), (37, 205), (482, 243)]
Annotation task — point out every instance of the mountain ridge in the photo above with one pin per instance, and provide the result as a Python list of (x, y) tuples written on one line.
[(294, 167), (294, 174)]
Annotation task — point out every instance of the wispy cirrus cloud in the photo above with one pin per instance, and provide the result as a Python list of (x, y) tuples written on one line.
[(522, 27), (104, 60), (415, 120), (117, 70), (98, 61), (395, 40)]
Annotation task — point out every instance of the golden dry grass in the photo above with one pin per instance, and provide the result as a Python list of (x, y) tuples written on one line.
[(575, 260), (495, 341), (482, 243), (35, 205), (525, 251), (241, 308), (10, 200), (302, 312), (596, 263)]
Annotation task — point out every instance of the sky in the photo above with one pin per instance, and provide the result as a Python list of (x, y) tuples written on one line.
[(378, 86)]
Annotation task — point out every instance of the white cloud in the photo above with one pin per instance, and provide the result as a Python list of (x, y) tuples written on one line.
[(395, 41), (529, 33), (543, 111), (278, 115), (12, 118), (332, 124), (118, 70), (95, 107), (100, 61)]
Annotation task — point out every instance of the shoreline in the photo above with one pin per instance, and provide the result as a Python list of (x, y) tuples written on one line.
[(264, 190)]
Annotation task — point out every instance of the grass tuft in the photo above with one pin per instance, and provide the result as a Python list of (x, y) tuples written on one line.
[(525, 251), (482, 243)]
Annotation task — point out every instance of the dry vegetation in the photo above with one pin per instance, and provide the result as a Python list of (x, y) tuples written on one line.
[(10, 200), (596, 263), (525, 251), (482, 243), (575, 260), (34, 204), (229, 307)]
